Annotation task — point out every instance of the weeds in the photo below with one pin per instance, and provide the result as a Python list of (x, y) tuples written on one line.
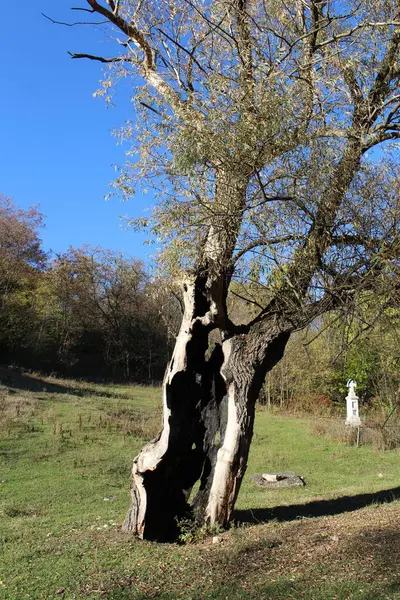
[(131, 422), (192, 532), (371, 432)]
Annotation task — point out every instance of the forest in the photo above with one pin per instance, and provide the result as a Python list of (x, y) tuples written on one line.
[(88, 312)]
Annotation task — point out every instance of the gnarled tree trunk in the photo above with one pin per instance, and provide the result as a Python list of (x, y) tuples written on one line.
[(166, 469), (209, 404), (247, 358)]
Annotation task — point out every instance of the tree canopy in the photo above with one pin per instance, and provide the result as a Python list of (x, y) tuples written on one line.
[(292, 100)]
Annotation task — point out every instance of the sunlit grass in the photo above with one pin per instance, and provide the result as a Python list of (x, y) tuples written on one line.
[(65, 458)]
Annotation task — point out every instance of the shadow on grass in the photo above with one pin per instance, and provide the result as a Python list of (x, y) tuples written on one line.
[(261, 568), (17, 380), (319, 508), (281, 591)]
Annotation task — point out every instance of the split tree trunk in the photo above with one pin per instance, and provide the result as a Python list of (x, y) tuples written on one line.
[(164, 473), (166, 469), (208, 418), (208, 398)]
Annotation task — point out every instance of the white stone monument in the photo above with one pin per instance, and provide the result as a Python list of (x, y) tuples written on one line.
[(353, 417)]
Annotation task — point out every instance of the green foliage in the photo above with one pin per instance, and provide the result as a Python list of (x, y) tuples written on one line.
[(193, 532), (85, 312), (359, 344), (246, 100), (362, 364)]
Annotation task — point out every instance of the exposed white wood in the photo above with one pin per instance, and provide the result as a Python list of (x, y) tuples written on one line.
[(222, 491), (152, 453)]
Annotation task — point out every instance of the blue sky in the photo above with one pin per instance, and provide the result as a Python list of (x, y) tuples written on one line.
[(57, 149)]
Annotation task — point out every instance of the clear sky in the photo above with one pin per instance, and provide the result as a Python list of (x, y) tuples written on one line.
[(56, 144)]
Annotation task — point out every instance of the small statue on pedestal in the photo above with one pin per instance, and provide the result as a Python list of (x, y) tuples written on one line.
[(352, 417)]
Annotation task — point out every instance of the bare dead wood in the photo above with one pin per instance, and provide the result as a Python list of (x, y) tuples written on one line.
[(101, 59), (75, 22)]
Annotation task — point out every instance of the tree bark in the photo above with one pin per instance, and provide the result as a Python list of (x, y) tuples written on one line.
[(166, 469), (247, 359)]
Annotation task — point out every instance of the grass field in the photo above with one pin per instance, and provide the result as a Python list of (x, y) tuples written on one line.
[(65, 456)]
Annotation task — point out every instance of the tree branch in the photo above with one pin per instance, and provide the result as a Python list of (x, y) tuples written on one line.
[(75, 23), (248, 300), (178, 45), (154, 79), (89, 10), (130, 30), (263, 241), (101, 58), (381, 85)]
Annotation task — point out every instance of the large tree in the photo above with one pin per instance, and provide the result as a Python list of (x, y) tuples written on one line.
[(259, 123), (21, 259)]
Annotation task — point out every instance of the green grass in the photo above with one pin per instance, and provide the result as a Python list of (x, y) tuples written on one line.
[(65, 456), (330, 469)]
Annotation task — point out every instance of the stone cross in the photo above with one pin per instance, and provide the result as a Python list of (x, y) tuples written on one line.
[(352, 417)]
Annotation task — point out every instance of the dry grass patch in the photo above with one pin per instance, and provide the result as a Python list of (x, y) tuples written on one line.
[(373, 432), (354, 556), (362, 546)]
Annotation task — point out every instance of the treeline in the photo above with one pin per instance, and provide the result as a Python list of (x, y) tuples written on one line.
[(87, 312), (97, 314), (320, 360)]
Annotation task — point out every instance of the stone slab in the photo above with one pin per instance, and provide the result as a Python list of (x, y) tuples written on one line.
[(283, 479)]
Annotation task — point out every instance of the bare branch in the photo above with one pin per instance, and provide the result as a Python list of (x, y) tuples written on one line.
[(378, 138), (130, 30), (153, 78), (75, 23), (267, 198), (178, 45), (101, 58), (321, 331), (157, 112), (89, 10)]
